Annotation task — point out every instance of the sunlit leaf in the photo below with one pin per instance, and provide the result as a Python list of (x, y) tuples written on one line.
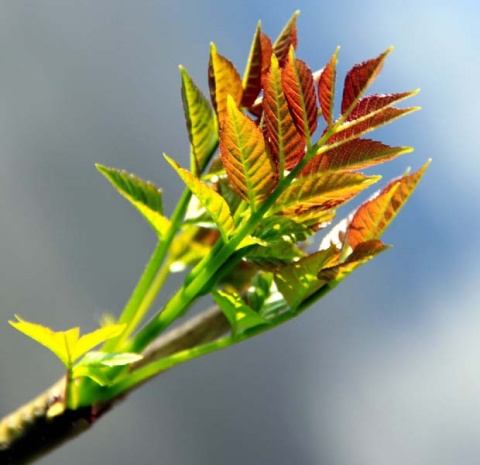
[(356, 128), (90, 340), (66, 345), (353, 155), (325, 191), (286, 39), (213, 202), (223, 80), (359, 78), (240, 316), (371, 104), (257, 67), (250, 168), (299, 90), (299, 280), (362, 254), (56, 341), (201, 122), (326, 88), (374, 216), (286, 142), (143, 195)]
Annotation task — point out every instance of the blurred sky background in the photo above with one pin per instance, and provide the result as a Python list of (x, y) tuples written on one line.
[(383, 371)]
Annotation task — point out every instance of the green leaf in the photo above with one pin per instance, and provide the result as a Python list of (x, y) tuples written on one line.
[(240, 316), (201, 122), (299, 280), (108, 359), (250, 168), (286, 142), (66, 345), (100, 375), (143, 195), (213, 202), (90, 340)]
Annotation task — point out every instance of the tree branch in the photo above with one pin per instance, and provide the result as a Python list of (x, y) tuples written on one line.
[(43, 424)]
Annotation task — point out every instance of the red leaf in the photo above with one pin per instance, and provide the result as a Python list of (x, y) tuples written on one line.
[(356, 128), (374, 216), (299, 90), (376, 102), (326, 88), (359, 78), (287, 38), (287, 144), (257, 67), (353, 155)]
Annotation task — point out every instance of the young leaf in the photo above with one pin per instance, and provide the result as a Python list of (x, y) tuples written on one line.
[(299, 88), (249, 166), (108, 359), (374, 216), (223, 80), (90, 340), (240, 316), (201, 122), (143, 195), (286, 142), (362, 254), (66, 345), (359, 78), (353, 129), (257, 67), (286, 39), (326, 88), (299, 280), (371, 104), (353, 155), (325, 191), (213, 202)]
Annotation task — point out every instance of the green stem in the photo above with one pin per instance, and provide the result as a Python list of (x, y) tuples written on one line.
[(151, 280), (204, 272), (143, 374)]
